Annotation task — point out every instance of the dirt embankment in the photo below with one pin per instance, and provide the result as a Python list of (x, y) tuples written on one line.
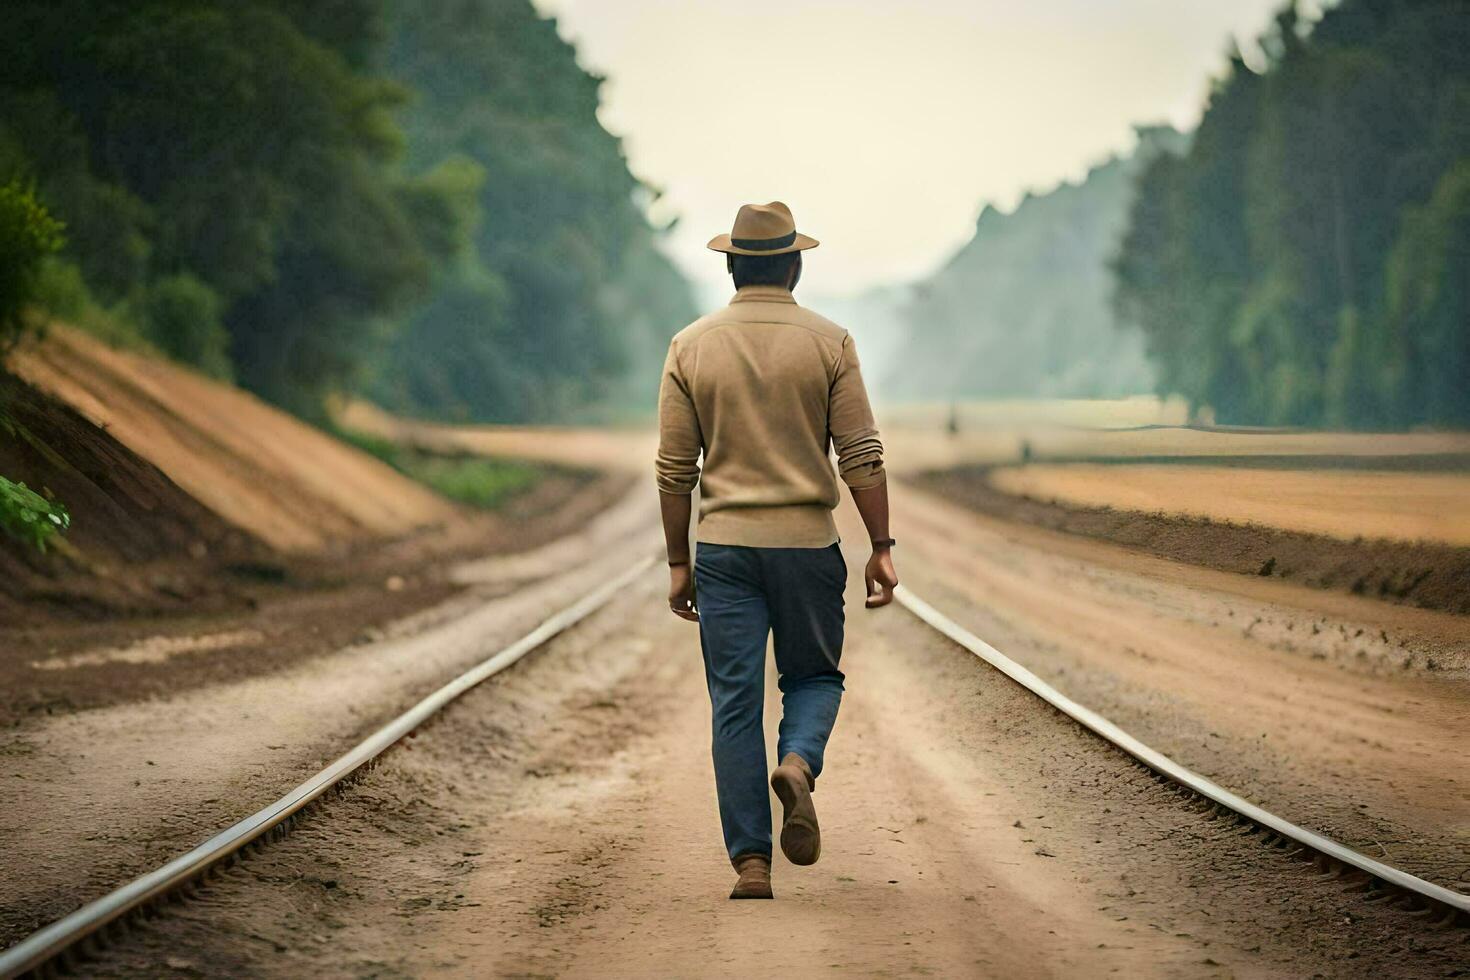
[(284, 482), (185, 493), (194, 502), (134, 531), (1426, 574), (215, 538)]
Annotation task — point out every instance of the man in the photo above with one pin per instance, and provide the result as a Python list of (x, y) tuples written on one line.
[(762, 389)]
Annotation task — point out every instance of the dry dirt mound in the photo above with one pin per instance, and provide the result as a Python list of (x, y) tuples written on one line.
[(130, 521), (1346, 502), (610, 450), (1426, 574), (287, 484)]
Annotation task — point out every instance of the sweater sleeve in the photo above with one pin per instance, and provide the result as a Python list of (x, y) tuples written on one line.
[(850, 421), (679, 440)]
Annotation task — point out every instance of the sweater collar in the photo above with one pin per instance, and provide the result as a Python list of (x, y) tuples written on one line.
[(763, 294)]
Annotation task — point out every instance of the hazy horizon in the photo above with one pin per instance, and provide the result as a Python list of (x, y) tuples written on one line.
[(886, 128)]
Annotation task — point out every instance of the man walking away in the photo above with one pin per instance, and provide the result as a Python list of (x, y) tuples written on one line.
[(764, 389)]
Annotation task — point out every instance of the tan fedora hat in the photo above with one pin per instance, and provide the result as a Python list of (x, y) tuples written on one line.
[(763, 229)]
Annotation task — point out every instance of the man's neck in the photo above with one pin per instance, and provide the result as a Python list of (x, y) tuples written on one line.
[(768, 294)]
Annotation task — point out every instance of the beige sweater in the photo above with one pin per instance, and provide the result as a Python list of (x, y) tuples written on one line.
[(763, 388)]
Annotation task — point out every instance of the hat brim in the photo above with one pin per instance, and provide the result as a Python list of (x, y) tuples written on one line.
[(722, 243)]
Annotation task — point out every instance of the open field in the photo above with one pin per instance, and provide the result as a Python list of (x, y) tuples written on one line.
[(1346, 504), (1136, 429), (1378, 514)]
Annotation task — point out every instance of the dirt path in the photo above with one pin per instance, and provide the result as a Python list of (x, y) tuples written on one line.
[(96, 797), (560, 821), (1321, 707)]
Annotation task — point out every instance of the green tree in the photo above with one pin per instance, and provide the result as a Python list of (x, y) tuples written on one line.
[(28, 234), (563, 293), (182, 318), (242, 144), (1429, 303), (1268, 268)]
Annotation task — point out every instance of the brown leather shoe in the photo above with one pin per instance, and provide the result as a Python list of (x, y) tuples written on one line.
[(801, 838), (755, 876)]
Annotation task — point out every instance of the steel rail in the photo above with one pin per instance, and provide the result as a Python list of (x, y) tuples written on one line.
[(51, 941), (1172, 770)]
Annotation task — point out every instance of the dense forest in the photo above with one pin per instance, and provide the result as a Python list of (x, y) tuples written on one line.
[(320, 196), (1307, 261), (1023, 308)]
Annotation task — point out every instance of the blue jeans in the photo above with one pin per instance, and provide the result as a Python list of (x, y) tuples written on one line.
[(744, 594)]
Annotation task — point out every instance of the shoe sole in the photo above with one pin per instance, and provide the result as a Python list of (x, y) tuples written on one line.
[(801, 836)]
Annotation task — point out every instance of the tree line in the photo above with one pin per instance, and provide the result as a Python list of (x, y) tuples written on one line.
[(1022, 310), (1307, 260), (408, 197)]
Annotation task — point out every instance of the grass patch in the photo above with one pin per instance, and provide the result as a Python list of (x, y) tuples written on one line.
[(30, 517), (475, 480)]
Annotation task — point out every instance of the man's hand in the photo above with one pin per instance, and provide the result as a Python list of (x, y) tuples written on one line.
[(681, 592), (880, 578)]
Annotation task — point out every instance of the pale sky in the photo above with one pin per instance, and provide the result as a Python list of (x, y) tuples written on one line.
[(886, 125)]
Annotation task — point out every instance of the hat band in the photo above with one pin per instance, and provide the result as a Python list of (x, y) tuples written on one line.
[(764, 244)]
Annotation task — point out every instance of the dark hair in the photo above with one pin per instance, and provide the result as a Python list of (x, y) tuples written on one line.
[(763, 270)]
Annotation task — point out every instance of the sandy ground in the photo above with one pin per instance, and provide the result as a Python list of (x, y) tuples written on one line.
[(93, 797), (288, 484), (279, 610), (1346, 504), (1339, 712), (1423, 574), (917, 437), (627, 450), (560, 821)]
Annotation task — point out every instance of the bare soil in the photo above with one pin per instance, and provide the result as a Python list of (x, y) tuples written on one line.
[(1336, 711), (173, 575), (622, 450), (1425, 574), (1350, 503), (133, 528), (1137, 429), (285, 483), (560, 821), (96, 797), (266, 612)]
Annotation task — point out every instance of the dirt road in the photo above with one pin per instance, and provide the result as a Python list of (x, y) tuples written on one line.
[(1340, 713), (560, 821)]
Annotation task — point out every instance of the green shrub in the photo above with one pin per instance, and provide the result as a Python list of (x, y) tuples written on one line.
[(486, 483), (61, 291), (28, 234), (30, 517), (475, 480), (183, 318)]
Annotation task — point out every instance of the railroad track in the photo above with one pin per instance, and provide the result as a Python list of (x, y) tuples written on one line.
[(63, 945)]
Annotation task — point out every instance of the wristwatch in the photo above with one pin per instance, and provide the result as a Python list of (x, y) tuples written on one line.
[(884, 543)]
